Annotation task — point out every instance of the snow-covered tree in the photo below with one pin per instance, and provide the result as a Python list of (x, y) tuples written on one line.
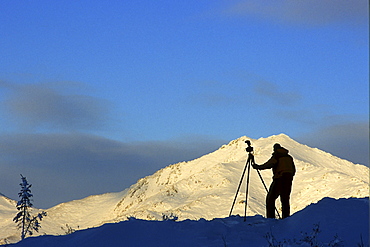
[(26, 222)]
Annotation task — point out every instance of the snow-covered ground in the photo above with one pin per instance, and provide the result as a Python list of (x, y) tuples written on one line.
[(342, 222), (204, 188)]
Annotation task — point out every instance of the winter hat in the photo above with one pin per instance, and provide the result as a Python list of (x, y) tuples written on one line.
[(276, 146)]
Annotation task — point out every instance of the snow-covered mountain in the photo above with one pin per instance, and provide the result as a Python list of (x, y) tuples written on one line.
[(205, 188)]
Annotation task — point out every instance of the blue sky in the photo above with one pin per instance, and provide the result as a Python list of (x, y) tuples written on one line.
[(95, 95)]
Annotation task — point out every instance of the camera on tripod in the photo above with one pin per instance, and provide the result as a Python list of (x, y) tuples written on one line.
[(249, 149), (250, 162)]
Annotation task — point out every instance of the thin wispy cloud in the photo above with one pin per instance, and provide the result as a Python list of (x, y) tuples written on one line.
[(40, 106), (275, 94), (305, 12)]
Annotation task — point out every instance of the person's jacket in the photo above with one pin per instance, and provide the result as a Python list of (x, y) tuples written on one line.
[(280, 162)]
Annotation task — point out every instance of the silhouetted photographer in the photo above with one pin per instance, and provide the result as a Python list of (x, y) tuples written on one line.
[(283, 168)]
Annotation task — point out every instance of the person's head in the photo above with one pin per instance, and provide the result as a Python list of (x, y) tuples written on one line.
[(276, 146)]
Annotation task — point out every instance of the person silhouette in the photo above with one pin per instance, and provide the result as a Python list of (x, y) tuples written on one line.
[(283, 169)]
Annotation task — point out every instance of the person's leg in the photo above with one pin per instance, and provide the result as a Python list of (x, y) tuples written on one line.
[(286, 188), (272, 195)]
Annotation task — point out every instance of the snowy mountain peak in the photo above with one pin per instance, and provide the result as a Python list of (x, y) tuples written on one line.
[(193, 189)]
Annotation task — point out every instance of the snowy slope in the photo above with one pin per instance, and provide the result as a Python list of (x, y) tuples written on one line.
[(7, 213), (343, 222), (205, 188)]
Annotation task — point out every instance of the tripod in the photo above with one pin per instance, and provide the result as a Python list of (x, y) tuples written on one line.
[(250, 162)]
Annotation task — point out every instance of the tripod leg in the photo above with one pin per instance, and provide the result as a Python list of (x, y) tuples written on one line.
[(263, 182), (240, 183), (247, 188)]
